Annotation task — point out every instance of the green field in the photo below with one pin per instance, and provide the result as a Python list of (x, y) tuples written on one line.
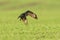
[(47, 27)]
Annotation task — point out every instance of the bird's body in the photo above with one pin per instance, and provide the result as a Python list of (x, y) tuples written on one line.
[(25, 14)]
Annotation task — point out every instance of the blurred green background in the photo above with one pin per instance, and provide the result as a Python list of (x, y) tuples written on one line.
[(47, 27)]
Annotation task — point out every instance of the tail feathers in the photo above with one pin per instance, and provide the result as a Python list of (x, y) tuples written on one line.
[(19, 18)]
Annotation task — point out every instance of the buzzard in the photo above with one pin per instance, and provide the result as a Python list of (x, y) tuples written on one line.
[(24, 15)]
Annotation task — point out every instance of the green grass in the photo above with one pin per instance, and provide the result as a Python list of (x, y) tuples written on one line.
[(47, 27)]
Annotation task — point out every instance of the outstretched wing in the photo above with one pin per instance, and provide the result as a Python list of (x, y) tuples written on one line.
[(33, 15)]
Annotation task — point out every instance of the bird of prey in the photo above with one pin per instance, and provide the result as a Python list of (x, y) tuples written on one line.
[(24, 15)]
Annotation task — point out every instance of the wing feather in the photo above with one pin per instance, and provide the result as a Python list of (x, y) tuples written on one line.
[(33, 15)]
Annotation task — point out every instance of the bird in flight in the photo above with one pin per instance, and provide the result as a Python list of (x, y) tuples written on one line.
[(24, 15)]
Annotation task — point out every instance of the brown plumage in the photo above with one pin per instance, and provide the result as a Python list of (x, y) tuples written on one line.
[(25, 14)]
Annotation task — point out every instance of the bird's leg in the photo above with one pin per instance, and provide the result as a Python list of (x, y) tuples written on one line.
[(25, 21)]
